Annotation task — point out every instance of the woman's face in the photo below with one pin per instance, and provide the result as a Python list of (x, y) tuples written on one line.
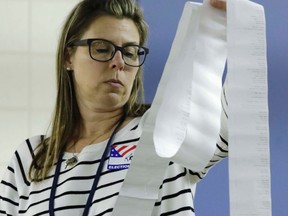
[(104, 86)]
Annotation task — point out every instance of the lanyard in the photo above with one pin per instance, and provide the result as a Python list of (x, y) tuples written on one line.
[(96, 179)]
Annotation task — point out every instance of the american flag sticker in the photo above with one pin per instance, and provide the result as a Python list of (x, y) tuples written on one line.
[(120, 156)]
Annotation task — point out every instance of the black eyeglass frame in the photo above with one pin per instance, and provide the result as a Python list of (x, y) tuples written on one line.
[(89, 41)]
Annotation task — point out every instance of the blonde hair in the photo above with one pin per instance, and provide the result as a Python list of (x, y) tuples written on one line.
[(66, 119)]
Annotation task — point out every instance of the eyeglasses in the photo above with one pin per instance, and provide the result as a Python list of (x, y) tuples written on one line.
[(103, 50)]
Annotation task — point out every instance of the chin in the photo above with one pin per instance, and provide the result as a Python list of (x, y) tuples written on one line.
[(116, 101)]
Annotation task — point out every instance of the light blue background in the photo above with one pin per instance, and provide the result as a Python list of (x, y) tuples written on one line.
[(212, 196)]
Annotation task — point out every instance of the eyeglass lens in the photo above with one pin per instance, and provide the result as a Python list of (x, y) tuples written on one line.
[(101, 50)]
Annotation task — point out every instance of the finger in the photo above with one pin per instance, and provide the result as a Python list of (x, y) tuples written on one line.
[(220, 4)]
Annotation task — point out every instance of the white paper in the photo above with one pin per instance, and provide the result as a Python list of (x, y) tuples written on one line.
[(249, 159), (183, 69), (188, 124)]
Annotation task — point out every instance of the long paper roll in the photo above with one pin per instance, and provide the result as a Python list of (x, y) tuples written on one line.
[(187, 127), (249, 160), (186, 99)]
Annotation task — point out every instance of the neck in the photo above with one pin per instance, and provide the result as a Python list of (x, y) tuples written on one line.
[(98, 123), (95, 127)]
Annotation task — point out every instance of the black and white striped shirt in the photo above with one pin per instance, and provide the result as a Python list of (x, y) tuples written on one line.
[(19, 196)]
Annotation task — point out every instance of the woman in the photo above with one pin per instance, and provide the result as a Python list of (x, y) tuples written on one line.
[(97, 122)]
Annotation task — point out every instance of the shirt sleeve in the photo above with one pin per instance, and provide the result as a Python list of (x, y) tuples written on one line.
[(15, 180), (9, 197)]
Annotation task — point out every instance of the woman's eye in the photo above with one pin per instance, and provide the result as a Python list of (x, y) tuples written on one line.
[(102, 50), (129, 54)]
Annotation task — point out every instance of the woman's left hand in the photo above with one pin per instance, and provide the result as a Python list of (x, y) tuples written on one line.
[(220, 4)]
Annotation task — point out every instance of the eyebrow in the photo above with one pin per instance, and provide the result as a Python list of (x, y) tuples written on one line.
[(125, 44), (131, 43)]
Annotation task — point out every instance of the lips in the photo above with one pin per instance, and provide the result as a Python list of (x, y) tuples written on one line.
[(115, 83)]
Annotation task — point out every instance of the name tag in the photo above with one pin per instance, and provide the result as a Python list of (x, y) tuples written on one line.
[(120, 156)]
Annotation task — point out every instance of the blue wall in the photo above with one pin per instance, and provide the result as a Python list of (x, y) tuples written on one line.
[(212, 193)]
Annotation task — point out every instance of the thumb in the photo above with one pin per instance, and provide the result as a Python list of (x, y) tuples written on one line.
[(220, 4)]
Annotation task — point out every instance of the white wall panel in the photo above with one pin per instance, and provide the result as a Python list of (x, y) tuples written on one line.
[(46, 21), (2, 169), (14, 86), (40, 122), (14, 23), (13, 131), (43, 81)]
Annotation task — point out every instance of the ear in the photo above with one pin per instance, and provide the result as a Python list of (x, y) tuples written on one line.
[(68, 58)]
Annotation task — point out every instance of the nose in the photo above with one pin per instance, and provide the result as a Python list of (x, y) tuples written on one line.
[(117, 61)]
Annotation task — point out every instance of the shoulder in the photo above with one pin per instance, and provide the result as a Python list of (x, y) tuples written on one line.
[(132, 130), (16, 173), (136, 123), (24, 154), (29, 145)]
